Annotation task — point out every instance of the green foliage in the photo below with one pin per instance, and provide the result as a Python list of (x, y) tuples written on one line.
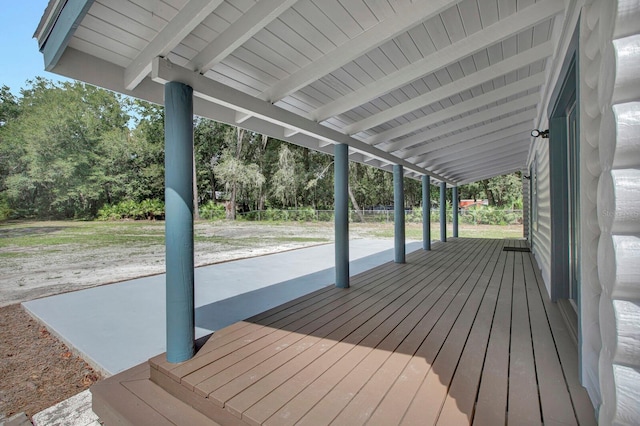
[(5, 210), (490, 216), (130, 209), (212, 210), (59, 150), (286, 180), (231, 170), (70, 150)]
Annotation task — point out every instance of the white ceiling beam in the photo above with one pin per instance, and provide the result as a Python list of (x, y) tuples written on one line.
[(498, 146), (372, 162), (490, 161), (516, 129), (461, 123), (497, 170), (475, 176), (460, 108), (356, 156), (82, 66), (255, 19), (322, 143), (241, 117), (507, 161), (187, 19), (492, 154), (289, 132), (407, 16), (471, 134), (488, 175), (499, 31), (210, 90), (458, 86)]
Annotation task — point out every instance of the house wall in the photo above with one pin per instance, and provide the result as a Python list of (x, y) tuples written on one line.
[(589, 60), (541, 226), (612, 37), (525, 204), (609, 90)]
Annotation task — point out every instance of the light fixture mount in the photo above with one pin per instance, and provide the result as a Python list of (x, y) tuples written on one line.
[(536, 133)]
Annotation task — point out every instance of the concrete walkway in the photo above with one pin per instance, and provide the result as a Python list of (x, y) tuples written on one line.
[(115, 327)]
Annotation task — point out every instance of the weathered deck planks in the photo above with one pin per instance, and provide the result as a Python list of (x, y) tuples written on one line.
[(462, 334)]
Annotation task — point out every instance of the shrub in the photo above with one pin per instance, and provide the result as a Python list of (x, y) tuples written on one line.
[(129, 209), (212, 211), (5, 210)]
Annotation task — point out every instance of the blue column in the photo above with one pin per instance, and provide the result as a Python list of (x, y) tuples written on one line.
[(443, 212), (398, 214), (426, 213), (341, 189), (454, 204), (178, 101)]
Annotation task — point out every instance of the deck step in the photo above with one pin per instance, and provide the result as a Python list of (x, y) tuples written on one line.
[(130, 398)]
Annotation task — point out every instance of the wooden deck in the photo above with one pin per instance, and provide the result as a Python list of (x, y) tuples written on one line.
[(463, 334)]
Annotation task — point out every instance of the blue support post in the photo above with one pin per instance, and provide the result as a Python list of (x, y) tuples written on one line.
[(178, 101), (443, 212), (398, 214), (426, 214), (341, 189), (454, 204)]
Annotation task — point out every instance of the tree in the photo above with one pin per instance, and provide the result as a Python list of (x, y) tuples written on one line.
[(504, 191), (61, 145), (146, 145), (287, 180), (209, 144), (234, 173)]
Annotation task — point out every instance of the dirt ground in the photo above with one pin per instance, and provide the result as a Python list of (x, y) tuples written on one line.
[(37, 370)]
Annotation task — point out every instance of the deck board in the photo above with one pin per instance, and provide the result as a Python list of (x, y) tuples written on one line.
[(461, 334), (521, 407), (491, 402), (461, 396), (303, 401)]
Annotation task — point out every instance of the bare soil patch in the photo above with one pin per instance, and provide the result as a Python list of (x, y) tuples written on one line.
[(37, 370), (39, 259)]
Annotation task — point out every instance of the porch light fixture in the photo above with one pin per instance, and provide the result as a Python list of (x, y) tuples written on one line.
[(540, 133)]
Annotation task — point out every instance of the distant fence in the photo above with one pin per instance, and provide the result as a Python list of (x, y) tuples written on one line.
[(475, 216)]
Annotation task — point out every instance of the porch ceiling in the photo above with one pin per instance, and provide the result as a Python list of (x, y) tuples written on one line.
[(448, 88)]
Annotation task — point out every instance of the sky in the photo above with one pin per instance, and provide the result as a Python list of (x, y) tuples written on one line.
[(20, 59)]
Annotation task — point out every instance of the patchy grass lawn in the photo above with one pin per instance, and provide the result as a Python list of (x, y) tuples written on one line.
[(43, 258), (414, 231)]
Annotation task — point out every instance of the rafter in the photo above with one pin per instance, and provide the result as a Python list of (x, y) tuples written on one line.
[(241, 117), (471, 135), (458, 86), (460, 108), (499, 172), (483, 39), (289, 132), (187, 19), (248, 25), (491, 154), (205, 88), (500, 144), (504, 162), (516, 129), (461, 123), (407, 17)]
